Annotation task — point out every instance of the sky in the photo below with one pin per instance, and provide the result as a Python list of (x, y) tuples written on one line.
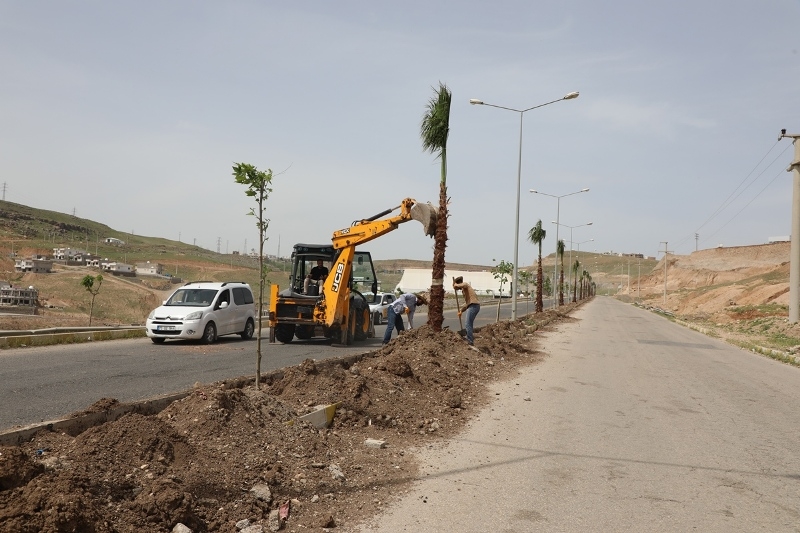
[(133, 113)]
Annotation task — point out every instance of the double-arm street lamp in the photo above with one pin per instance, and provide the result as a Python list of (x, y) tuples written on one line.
[(570, 236), (578, 251), (558, 211), (474, 101)]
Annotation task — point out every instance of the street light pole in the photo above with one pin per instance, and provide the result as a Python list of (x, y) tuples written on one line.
[(794, 250), (558, 212), (475, 101)]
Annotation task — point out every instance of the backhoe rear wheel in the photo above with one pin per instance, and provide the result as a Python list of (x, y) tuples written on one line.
[(284, 333)]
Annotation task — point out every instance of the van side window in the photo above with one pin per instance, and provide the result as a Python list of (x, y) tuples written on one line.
[(242, 296)]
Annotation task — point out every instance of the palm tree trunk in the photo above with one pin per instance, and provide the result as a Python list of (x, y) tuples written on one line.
[(540, 285), (561, 287), (436, 302)]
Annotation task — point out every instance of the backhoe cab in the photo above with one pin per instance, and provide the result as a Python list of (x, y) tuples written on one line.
[(336, 307)]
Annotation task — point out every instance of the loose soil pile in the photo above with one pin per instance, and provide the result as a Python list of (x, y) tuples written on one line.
[(228, 455)]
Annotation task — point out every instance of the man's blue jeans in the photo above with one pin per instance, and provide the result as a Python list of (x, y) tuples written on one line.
[(471, 312), (395, 320)]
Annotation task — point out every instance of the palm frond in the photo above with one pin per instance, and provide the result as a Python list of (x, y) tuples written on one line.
[(435, 126)]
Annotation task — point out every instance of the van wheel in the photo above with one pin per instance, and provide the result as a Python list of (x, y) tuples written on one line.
[(210, 333), (249, 329), (157, 340), (377, 318)]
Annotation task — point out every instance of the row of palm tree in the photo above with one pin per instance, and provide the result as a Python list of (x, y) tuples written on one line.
[(434, 132), (536, 235)]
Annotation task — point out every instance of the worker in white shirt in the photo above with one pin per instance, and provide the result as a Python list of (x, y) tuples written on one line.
[(404, 304)]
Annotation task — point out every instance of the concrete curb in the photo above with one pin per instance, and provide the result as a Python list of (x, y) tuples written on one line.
[(31, 338)]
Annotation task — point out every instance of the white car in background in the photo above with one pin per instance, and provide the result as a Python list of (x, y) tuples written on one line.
[(379, 308)]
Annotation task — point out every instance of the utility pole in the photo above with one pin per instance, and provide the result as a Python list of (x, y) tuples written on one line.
[(629, 275), (666, 252), (639, 281), (794, 254), (696, 237)]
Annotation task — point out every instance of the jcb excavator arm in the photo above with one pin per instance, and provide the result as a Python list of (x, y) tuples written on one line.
[(333, 307)]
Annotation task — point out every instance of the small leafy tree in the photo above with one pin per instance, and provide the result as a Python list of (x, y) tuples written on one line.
[(501, 272), (92, 285), (259, 186), (525, 278), (536, 235)]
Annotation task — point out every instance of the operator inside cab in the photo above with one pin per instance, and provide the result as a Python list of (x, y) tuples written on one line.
[(315, 279)]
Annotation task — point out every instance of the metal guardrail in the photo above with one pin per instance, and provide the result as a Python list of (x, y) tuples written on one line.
[(53, 331), (49, 336)]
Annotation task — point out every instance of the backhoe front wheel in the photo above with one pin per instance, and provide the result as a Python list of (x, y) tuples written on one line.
[(362, 324)]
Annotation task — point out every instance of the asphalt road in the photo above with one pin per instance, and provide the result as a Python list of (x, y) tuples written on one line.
[(39, 384), (632, 423)]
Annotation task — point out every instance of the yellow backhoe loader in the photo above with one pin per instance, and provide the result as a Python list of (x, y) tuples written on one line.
[(336, 307)]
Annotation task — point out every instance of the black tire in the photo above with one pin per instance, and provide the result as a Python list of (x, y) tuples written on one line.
[(209, 334), (304, 332), (284, 333), (362, 324), (351, 327), (377, 319), (249, 329), (157, 340)]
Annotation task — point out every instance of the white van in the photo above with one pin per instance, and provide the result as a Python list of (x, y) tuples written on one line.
[(204, 310)]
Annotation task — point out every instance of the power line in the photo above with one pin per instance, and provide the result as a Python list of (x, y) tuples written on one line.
[(735, 194), (747, 204), (731, 196)]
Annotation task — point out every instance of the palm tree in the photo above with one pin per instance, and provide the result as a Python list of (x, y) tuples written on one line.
[(560, 252), (575, 268), (584, 274), (434, 130), (536, 235)]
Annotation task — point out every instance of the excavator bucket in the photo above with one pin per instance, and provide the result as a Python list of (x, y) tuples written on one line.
[(427, 215)]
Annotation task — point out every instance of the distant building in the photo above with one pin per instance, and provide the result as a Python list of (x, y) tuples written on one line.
[(68, 254), (149, 269), (36, 265), (114, 240), (484, 283), (119, 269), (787, 238), (18, 300)]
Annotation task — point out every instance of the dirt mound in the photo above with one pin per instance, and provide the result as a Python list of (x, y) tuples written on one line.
[(226, 454)]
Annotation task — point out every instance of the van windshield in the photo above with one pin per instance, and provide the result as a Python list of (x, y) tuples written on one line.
[(192, 297)]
